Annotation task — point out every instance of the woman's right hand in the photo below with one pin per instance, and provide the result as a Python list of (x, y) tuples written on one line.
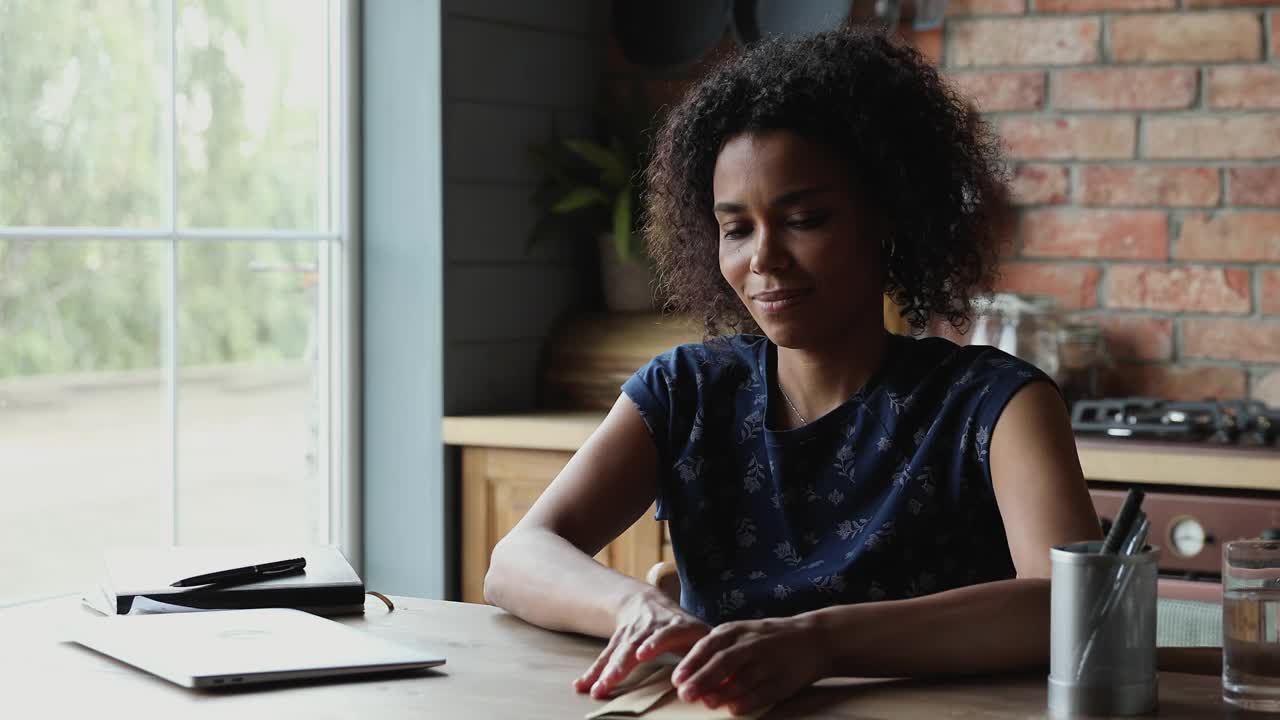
[(648, 624)]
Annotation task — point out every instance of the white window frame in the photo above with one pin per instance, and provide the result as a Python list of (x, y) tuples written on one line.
[(338, 266)]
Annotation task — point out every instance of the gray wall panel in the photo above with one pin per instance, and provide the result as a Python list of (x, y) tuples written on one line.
[(500, 63), (490, 142), (506, 302), (487, 222), (492, 377)]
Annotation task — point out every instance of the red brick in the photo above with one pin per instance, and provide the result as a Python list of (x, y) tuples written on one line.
[(1072, 286), (986, 7), (1040, 185), (1075, 6), (1150, 185), (1124, 89), (1240, 137), (1073, 138), (1134, 337), (1228, 3), (1174, 382), (1247, 340), (1247, 86), (1178, 288), (1030, 41), (1254, 186), (1186, 37), (1231, 237), (1270, 292), (1095, 233), (995, 92)]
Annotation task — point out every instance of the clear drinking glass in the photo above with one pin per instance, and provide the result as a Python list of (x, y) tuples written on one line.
[(1251, 624)]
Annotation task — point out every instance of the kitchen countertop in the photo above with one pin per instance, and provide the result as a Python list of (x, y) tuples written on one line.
[(1155, 463)]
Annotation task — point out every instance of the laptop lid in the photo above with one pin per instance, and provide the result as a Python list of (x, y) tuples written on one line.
[(234, 647)]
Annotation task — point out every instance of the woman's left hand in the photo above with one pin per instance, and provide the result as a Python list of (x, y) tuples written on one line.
[(751, 664)]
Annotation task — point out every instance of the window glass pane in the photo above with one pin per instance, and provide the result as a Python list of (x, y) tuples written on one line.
[(84, 426), (83, 88), (250, 105), (252, 401)]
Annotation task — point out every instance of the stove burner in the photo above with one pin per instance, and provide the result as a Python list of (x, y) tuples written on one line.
[(1223, 422)]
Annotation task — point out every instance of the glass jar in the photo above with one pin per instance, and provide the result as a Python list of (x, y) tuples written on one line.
[(1024, 326), (1080, 357)]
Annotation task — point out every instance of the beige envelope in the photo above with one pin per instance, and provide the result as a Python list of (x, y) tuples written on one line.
[(645, 674), (657, 699)]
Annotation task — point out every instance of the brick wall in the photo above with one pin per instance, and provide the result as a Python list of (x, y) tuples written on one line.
[(1146, 142)]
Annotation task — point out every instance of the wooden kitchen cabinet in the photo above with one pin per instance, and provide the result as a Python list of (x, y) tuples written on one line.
[(500, 484)]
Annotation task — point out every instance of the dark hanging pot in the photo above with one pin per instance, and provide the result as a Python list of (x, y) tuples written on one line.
[(756, 19), (666, 33)]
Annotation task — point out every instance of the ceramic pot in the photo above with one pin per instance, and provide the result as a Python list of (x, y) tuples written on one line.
[(628, 284)]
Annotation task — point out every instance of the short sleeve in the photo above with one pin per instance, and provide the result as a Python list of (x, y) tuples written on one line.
[(674, 389), (655, 390), (1009, 375), (650, 390)]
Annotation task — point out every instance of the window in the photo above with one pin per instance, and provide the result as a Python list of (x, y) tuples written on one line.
[(175, 265)]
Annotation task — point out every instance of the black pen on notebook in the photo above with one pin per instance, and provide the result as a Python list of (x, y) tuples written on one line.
[(246, 574)]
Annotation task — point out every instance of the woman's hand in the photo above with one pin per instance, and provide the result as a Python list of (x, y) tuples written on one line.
[(751, 664), (648, 625)]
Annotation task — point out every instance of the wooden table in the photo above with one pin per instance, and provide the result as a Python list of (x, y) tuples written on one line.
[(499, 667)]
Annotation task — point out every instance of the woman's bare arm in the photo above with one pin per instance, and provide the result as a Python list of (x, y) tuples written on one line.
[(1039, 486), (543, 570)]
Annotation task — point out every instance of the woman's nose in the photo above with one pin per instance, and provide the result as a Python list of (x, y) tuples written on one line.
[(769, 254)]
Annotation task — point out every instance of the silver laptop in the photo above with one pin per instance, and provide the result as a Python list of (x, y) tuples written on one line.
[(235, 647)]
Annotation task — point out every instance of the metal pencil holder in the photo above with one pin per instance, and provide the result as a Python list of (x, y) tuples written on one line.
[(1102, 632)]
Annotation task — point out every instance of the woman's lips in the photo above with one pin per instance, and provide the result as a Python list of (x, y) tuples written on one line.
[(772, 301)]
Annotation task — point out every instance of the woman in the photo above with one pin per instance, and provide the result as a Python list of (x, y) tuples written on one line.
[(841, 501)]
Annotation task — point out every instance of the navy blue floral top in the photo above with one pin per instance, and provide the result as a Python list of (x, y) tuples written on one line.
[(888, 496)]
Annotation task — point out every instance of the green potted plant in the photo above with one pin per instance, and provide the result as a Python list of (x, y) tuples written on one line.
[(591, 189)]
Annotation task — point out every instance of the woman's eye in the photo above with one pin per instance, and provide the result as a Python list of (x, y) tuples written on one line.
[(807, 220), (734, 232)]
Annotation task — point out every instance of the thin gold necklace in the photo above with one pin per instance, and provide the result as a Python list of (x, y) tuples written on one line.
[(793, 405)]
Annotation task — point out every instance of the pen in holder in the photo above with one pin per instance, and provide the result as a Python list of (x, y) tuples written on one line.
[(1107, 603), (1103, 622)]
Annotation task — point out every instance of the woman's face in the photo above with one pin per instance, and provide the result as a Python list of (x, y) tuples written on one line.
[(793, 244)]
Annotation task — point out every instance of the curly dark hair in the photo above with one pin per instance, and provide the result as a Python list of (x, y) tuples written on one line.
[(915, 150)]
